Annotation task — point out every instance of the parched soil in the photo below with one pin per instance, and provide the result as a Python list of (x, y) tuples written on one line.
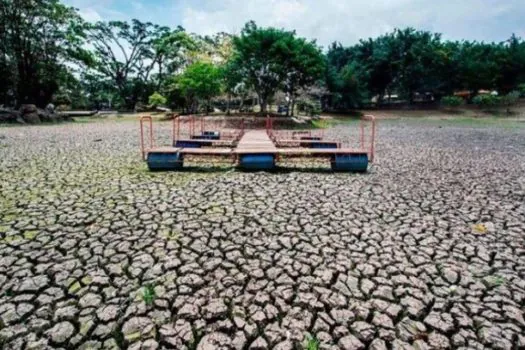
[(425, 251)]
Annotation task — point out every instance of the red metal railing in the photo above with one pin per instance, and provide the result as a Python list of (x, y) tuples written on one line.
[(142, 144), (372, 119)]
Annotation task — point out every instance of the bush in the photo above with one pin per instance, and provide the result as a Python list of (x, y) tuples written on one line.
[(310, 107), (451, 101), (521, 90), (510, 99), (486, 101), (157, 100)]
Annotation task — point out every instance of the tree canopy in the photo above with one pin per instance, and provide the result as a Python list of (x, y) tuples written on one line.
[(49, 54), (38, 39), (272, 59)]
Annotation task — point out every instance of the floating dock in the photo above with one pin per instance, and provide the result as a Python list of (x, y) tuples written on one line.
[(259, 149)]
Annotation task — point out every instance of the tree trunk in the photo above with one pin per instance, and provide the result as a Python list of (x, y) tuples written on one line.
[(228, 104), (241, 105), (293, 106), (262, 102)]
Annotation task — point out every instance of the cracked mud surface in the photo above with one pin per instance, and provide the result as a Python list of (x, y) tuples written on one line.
[(427, 251)]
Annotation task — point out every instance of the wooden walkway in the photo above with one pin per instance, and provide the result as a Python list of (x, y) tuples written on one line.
[(258, 142), (255, 141)]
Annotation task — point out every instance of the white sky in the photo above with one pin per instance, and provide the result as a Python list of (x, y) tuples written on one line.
[(326, 20)]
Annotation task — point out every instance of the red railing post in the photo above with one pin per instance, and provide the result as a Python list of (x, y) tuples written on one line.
[(142, 146), (372, 119), (175, 130)]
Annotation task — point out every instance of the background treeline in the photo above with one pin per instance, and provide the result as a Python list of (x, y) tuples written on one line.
[(49, 54)]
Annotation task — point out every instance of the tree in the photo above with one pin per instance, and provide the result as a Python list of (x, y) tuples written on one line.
[(157, 99), (259, 57), (510, 100), (451, 102), (233, 83), (38, 39), (477, 68), (271, 59), (128, 54), (304, 65), (200, 81), (510, 58)]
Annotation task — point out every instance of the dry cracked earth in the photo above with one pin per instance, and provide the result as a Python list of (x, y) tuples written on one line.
[(427, 251)]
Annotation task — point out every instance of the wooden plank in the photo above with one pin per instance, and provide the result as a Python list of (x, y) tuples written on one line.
[(207, 151), (213, 142), (319, 151), (255, 141), (166, 149)]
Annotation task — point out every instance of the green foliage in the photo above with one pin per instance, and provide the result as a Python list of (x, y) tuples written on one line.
[(127, 54), (451, 101), (271, 59), (37, 41), (487, 100), (312, 343), (510, 99), (148, 294), (311, 107), (521, 89), (157, 99), (405, 62), (200, 82)]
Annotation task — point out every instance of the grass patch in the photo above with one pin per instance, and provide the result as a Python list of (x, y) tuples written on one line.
[(172, 235), (495, 281), (321, 123), (148, 294), (479, 229), (312, 343), (459, 121), (29, 235)]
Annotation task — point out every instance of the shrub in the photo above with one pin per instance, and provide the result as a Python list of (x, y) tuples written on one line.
[(521, 89), (510, 99), (157, 100), (451, 101), (310, 107), (486, 101)]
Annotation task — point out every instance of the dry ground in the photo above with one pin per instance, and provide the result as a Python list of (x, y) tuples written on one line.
[(425, 251)]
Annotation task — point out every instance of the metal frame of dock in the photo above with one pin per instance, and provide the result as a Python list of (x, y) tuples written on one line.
[(257, 149)]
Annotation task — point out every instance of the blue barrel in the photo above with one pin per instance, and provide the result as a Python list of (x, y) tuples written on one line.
[(212, 135), (189, 144), (207, 135), (350, 162), (311, 138), (323, 145), (257, 161), (165, 161)]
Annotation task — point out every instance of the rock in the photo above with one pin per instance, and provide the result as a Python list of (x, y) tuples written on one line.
[(378, 344), (29, 114), (61, 332), (409, 330), (259, 344), (438, 341), (10, 116), (214, 341), (442, 322), (350, 342), (108, 313), (215, 309), (33, 284), (90, 300)]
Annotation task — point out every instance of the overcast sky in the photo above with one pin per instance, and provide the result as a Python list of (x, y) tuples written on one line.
[(345, 21)]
